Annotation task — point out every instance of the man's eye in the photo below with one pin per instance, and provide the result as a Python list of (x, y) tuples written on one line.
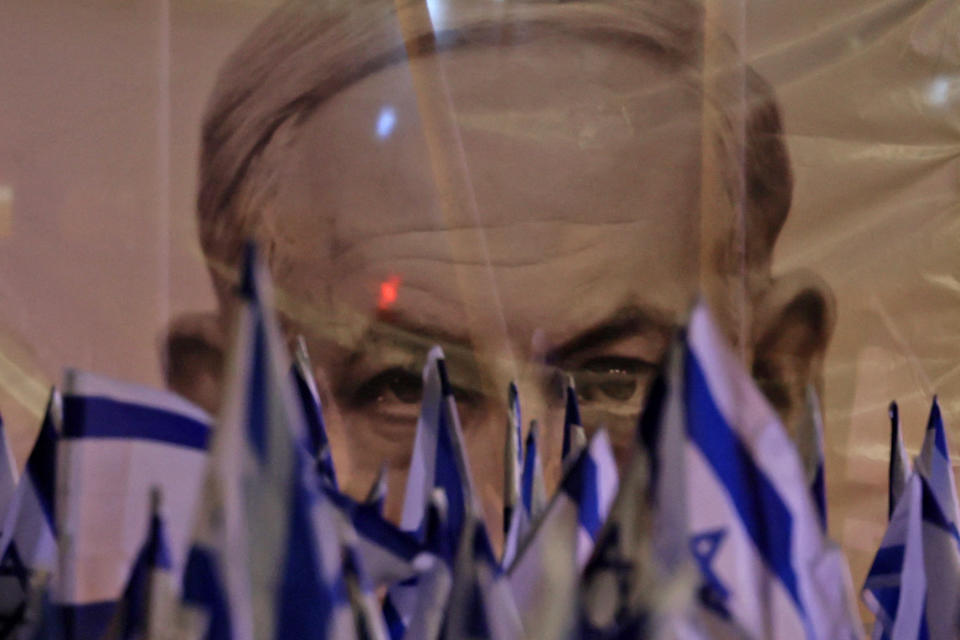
[(612, 378), (393, 386)]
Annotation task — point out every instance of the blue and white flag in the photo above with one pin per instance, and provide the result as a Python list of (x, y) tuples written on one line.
[(533, 493), (28, 544), (439, 461), (118, 442), (514, 514), (266, 557), (913, 587), (810, 445), (439, 457), (144, 609), (934, 465), (571, 423), (732, 498), (433, 583), (367, 617), (8, 470), (481, 602), (306, 386), (377, 493), (899, 469), (389, 555)]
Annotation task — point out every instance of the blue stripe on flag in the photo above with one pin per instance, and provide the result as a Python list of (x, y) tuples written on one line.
[(257, 391), (581, 484), (304, 603), (87, 621), (527, 475), (98, 417), (888, 560), (202, 588), (42, 467), (762, 512), (447, 475)]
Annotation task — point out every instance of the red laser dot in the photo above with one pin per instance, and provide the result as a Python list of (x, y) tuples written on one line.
[(388, 292)]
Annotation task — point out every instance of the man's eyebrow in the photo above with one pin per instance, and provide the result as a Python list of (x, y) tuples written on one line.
[(624, 323), (405, 333)]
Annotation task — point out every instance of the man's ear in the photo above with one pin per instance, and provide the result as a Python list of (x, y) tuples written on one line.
[(793, 323), (192, 353)]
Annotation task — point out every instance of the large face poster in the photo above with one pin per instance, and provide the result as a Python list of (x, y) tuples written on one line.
[(540, 188)]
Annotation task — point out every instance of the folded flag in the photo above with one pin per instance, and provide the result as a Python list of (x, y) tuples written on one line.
[(433, 584), (934, 465), (8, 470), (144, 607), (481, 602), (266, 559), (119, 441), (810, 445), (439, 461), (533, 493), (377, 493), (571, 422), (899, 468), (914, 583), (363, 602), (306, 387), (732, 498), (28, 544), (514, 515)]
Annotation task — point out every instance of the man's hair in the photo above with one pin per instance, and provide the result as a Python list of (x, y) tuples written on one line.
[(307, 51)]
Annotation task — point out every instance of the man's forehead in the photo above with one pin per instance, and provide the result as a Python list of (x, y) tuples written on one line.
[(553, 130)]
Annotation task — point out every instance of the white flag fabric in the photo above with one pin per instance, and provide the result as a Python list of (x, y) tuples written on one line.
[(913, 587), (120, 441), (732, 497), (439, 458), (810, 445), (571, 422), (899, 469), (512, 462), (266, 556), (481, 602), (934, 465), (439, 461)]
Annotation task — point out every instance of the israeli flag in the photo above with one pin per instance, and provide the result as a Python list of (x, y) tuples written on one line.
[(732, 497), (266, 558), (306, 386), (433, 584), (439, 458), (363, 602), (810, 445), (28, 544), (914, 583), (514, 515), (481, 602), (144, 608), (119, 441), (533, 493), (899, 469), (8, 471), (587, 489), (571, 422), (439, 461), (934, 465), (389, 554), (377, 493)]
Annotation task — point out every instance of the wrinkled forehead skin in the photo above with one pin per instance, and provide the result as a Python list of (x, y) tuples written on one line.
[(535, 187)]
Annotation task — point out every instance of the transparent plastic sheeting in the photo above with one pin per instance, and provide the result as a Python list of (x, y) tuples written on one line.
[(540, 188)]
